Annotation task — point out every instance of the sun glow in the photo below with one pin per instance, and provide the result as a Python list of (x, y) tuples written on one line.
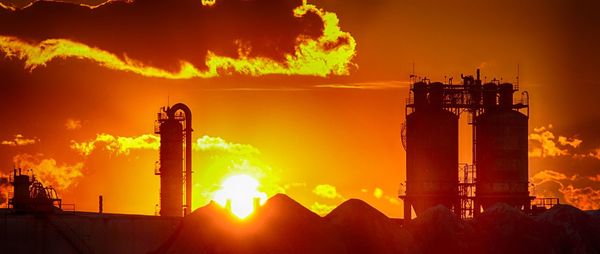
[(240, 195)]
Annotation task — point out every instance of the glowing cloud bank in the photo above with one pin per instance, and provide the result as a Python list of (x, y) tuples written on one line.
[(48, 171), (319, 52)]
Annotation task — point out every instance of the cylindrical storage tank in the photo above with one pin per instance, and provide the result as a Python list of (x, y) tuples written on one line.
[(489, 96), (505, 91), (21, 191), (432, 159), (436, 94), (501, 152), (420, 93), (171, 168)]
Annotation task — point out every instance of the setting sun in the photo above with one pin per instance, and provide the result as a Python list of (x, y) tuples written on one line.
[(240, 191)]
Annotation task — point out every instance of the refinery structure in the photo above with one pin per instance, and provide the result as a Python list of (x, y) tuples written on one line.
[(497, 174), (499, 169)]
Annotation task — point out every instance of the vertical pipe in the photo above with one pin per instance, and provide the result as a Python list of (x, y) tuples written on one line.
[(188, 163), (100, 204), (188, 150), (407, 211)]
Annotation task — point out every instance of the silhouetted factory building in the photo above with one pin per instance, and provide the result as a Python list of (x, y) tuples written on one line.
[(499, 172)]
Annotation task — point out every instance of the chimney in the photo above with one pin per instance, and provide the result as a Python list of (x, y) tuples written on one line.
[(100, 204)]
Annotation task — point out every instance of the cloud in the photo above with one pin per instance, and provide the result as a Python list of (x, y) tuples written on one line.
[(118, 145), (218, 158), (182, 38), (585, 197), (261, 89), (378, 192), (544, 143), (4, 189), (595, 153), (48, 171), (595, 178), (121, 145), (548, 176), (392, 200), (209, 2), (73, 124), (573, 142), (6, 7), (321, 209), (326, 191), (485, 64), (20, 140), (542, 128), (124, 145), (217, 144), (293, 185), (377, 85)]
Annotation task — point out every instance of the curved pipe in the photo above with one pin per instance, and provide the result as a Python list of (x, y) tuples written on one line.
[(188, 150)]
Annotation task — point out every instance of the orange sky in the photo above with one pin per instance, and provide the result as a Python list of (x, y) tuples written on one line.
[(310, 131)]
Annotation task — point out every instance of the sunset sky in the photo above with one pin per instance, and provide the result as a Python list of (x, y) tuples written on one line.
[(281, 91)]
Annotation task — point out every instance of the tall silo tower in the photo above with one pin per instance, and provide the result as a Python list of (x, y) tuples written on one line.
[(431, 151), (174, 178), (501, 150)]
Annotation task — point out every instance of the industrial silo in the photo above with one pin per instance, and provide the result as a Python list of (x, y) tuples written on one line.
[(174, 177), (171, 165), (431, 150), (501, 150), (21, 183)]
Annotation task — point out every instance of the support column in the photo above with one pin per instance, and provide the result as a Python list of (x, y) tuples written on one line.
[(407, 211)]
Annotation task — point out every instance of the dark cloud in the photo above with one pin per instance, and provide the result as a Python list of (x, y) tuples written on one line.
[(164, 33)]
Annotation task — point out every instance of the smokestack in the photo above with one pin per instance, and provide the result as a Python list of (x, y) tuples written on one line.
[(100, 204)]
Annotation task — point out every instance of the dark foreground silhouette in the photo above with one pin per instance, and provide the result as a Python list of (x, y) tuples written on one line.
[(284, 226)]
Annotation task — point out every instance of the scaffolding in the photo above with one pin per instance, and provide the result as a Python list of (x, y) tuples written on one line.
[(466, 190)]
